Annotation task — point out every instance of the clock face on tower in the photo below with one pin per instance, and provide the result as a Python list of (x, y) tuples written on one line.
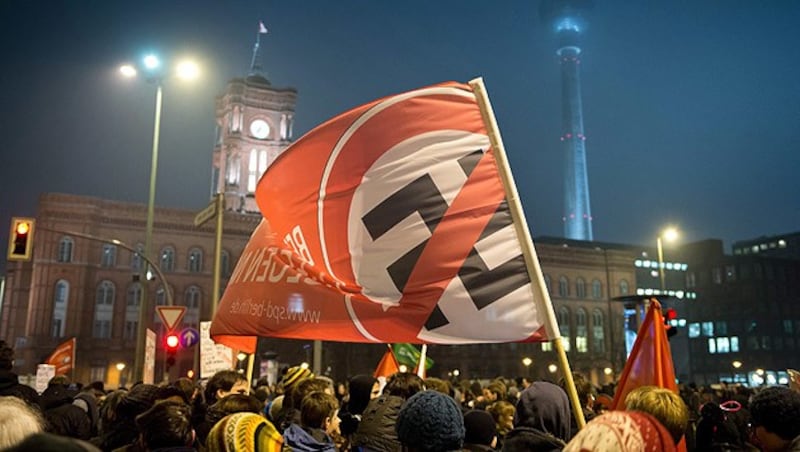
[(259, 129)]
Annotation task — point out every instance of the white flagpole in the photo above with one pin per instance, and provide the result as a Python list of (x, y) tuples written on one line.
[(521, 226), (421, 363)]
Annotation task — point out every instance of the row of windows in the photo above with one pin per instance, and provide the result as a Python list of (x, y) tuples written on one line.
[(755, 249), (105, 297), (194, 263), (708, 329), (580, 287), (725, 344), (582, 342), (744, 271)]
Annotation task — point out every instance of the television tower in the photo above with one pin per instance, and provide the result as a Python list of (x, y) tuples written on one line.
[(567, 19)]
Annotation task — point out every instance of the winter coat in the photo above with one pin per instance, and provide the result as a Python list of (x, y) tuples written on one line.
[(376, 430), (64, 418), (9, 386), (528, 439), (297, 439)]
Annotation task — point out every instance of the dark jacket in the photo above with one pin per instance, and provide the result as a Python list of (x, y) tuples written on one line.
[(544, 407), (64, 418), (9, 386), (477, 448), (298, 439), (528, 439), (376, 430)]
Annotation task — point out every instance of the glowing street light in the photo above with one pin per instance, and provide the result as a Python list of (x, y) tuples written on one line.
[(185, 71), (120, 366), (736, 364), (552, 368), (608, 371), (403, 368), (669, 234), (456, 372)]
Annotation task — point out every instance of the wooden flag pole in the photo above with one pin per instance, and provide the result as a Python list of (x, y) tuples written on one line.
[(529, 253)]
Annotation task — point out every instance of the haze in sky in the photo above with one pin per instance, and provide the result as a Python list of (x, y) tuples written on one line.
[(691, 109)]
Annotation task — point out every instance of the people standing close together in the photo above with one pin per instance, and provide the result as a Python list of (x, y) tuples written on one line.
[(303, 412)]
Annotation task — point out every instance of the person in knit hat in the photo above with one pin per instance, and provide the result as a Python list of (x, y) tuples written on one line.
[(244, 432), (622, 431), (481, 432), (430, 421)]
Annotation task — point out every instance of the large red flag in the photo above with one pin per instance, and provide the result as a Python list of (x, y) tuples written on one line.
[(388, 223), (63, 357), (388, 365)]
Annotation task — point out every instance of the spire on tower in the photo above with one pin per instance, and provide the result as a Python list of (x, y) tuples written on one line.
[(255, 64)]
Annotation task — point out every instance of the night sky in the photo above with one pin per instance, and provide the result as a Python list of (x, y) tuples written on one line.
[(691, 109)]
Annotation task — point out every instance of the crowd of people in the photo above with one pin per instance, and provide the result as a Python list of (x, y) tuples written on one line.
[(404, 413)]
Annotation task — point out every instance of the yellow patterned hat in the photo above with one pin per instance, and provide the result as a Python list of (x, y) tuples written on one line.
[(245, 432)]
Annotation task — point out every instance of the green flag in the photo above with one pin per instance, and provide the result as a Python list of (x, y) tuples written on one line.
[(409, 355)]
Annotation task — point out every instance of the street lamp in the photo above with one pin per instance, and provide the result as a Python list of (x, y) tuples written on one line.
[(186, 70), (669, 234), (120, 367), (736, 364), (552, 368), (526, 361)]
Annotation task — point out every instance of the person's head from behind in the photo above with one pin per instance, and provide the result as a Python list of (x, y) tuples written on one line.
[(320, 410), (306, 387), (166, 424), (584, 388), (775, 413), (620, 431), (223, 383), (662, 404), (403, 384), (244, 432), (494, 391), (430, 421), (234, 403), (480, 428), (503, 414), (18, 420)]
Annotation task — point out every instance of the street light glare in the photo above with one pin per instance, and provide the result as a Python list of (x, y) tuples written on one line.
[(670, 234), (188, 70), (151, 62), (127, 70)]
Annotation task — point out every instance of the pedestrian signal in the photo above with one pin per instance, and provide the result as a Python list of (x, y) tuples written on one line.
[(20, 242)]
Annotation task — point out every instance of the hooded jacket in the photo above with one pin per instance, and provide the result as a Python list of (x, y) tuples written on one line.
[(10, 386), (545, 407), (312, 440)]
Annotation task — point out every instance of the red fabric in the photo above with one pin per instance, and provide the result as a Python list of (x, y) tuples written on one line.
[(63, 357), (388, 365), (622, 431), (309, 270)]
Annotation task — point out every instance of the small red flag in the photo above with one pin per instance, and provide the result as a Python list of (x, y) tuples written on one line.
[(63, 357), (388, 365)]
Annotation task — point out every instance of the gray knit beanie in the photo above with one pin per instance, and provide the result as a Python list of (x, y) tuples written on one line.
[(430, 421)]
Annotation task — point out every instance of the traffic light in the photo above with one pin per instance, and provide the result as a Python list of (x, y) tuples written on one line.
[(171, 345), (671, 322), (20, 241)]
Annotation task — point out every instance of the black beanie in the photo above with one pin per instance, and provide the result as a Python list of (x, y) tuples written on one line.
[(430, 421), (480, 428)]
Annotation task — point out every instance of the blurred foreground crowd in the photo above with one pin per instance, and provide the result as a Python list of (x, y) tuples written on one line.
[(304, 412)]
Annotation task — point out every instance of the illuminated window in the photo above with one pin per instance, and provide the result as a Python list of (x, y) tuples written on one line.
[(136, 258), (691, 280), (233, 170), (547, 346), (782, 243), (787, 326), (730, 273), (712, 345), (252, 172), (103, 310), (708, 328), (65, 249), (580, 288), (734, 344), (721, 327), (723, 345), (581, 331), (134, 300)]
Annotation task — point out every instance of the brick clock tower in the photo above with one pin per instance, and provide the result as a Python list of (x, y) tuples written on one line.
[(254, 125)]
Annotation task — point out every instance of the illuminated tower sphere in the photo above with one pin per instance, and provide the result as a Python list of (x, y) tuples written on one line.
[(567, 20)]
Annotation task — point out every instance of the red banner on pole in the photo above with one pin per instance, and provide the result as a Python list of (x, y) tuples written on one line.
[(63, 357)]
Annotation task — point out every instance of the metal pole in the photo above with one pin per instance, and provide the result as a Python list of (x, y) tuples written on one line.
[(144, 307), (217, 254)]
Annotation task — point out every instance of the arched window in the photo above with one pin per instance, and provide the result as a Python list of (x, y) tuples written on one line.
[(597, 289), (225, 263), (195, 260), (623, 287), (192, 299), (65, 247), (252, 172), (60, 304), (598, 332), (581, 331), (161, 296), (109, 258), (563, 325), (134, 299), (136, 258), (233, 170), (563, 286), (103, 310), (168, 259), (580, 288)]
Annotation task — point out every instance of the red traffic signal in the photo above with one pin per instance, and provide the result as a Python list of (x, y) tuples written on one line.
[(671, 322), (20, 241), (172, 342)]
